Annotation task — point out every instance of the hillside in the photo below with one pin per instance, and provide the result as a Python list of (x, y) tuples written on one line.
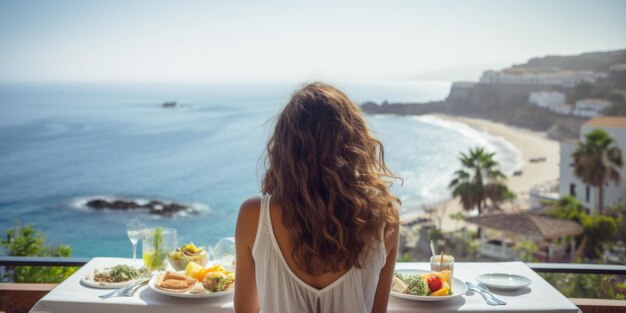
[(592, 61), (508, 103)]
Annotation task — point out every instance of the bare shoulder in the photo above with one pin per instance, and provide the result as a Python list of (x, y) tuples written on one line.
[(248, 220), (250, 206), (392, 238)]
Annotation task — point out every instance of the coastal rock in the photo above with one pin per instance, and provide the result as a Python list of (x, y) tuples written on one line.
[(153, 207)]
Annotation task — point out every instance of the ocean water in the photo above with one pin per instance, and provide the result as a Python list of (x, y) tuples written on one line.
[(63, 144)]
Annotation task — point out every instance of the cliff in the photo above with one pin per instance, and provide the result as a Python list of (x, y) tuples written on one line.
[(506, 104)]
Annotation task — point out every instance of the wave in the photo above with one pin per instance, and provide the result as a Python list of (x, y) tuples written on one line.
[(507, 154), (426, 181)]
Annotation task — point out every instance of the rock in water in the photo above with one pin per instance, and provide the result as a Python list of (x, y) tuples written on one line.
[(170, 104), (153, 207)]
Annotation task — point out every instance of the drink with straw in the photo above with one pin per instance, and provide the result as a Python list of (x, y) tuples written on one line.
[(443, 263)]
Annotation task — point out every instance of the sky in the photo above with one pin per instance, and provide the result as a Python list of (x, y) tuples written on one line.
[(282, 41)]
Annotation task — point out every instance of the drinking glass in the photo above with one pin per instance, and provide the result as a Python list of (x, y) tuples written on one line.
[(224, 253), (157, 243), (134, 234), (444, 264)]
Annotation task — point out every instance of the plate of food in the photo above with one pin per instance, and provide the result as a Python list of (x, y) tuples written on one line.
[(114, 277), (422, 285), (196, 281)]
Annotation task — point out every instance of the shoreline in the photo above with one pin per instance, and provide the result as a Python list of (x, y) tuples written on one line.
[(530, 144)]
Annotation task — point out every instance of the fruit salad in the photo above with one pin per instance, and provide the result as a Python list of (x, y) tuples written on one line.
[(428, 284), (185, 254)]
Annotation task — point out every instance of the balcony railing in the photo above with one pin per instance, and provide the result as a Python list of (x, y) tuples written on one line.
[(22, 297)]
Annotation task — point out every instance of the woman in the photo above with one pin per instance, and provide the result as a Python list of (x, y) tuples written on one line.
[(324, 236)]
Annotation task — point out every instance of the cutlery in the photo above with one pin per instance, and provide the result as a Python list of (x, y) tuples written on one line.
[(478, 291), (131, 291), (127, 291), (488, 297), (487, 291)]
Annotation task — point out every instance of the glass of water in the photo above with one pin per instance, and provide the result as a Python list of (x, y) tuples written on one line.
[(134, 234), (224, 253)]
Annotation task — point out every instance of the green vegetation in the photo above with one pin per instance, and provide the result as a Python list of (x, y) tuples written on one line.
[(25, 240), (599, 230), (526, 250), (587, 285), (457, 217), (597, 160), (479, 180)]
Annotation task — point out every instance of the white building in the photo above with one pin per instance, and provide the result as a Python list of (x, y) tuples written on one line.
[(539, 76), (590, 107), (569, 184), (618, 67), (546, 99), (563, 108)]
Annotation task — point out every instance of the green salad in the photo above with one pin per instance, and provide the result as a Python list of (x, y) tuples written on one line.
[(118, 273), (415, 285)]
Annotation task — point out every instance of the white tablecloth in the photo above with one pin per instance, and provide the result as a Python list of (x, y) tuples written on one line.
[(70, 296)]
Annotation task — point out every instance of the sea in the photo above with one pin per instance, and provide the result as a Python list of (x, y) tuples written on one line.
[(62, 144)]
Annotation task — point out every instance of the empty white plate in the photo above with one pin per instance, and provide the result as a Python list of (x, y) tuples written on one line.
[(503, 280)]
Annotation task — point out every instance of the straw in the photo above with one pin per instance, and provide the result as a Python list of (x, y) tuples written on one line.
[(432, 248), (441, 261)]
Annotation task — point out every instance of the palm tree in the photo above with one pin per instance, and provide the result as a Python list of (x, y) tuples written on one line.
[(479, 180), (597, 160)]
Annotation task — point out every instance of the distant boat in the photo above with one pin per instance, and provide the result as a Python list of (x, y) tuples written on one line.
[(169, 104)]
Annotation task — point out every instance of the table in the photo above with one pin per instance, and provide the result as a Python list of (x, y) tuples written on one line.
[(70, 296)]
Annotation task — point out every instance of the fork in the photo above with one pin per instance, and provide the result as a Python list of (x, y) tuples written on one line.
[(127, 291)]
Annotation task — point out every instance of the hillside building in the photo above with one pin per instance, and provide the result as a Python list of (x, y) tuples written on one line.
[(555, 77), (546, 99), (569, 184), (590, 107)]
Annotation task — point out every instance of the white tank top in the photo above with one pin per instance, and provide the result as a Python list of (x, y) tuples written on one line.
[(281, 291)]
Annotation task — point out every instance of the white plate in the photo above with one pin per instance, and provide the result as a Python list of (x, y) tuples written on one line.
[(88, 280), (503, 280), (459, 288), (152, 285)]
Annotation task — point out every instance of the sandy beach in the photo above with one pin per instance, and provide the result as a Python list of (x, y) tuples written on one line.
[(531, 144)]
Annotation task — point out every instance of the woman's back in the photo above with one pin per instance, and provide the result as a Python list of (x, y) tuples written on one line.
[(283, 289), (320, 247)]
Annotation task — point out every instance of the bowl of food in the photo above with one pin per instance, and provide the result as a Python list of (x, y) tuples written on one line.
[(187, 253)]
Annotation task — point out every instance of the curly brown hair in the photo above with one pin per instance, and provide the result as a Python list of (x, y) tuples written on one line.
[(327, 172)]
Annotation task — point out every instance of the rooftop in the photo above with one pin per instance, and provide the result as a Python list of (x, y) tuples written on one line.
[(527, 224), (594, 101), (607, 121)]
